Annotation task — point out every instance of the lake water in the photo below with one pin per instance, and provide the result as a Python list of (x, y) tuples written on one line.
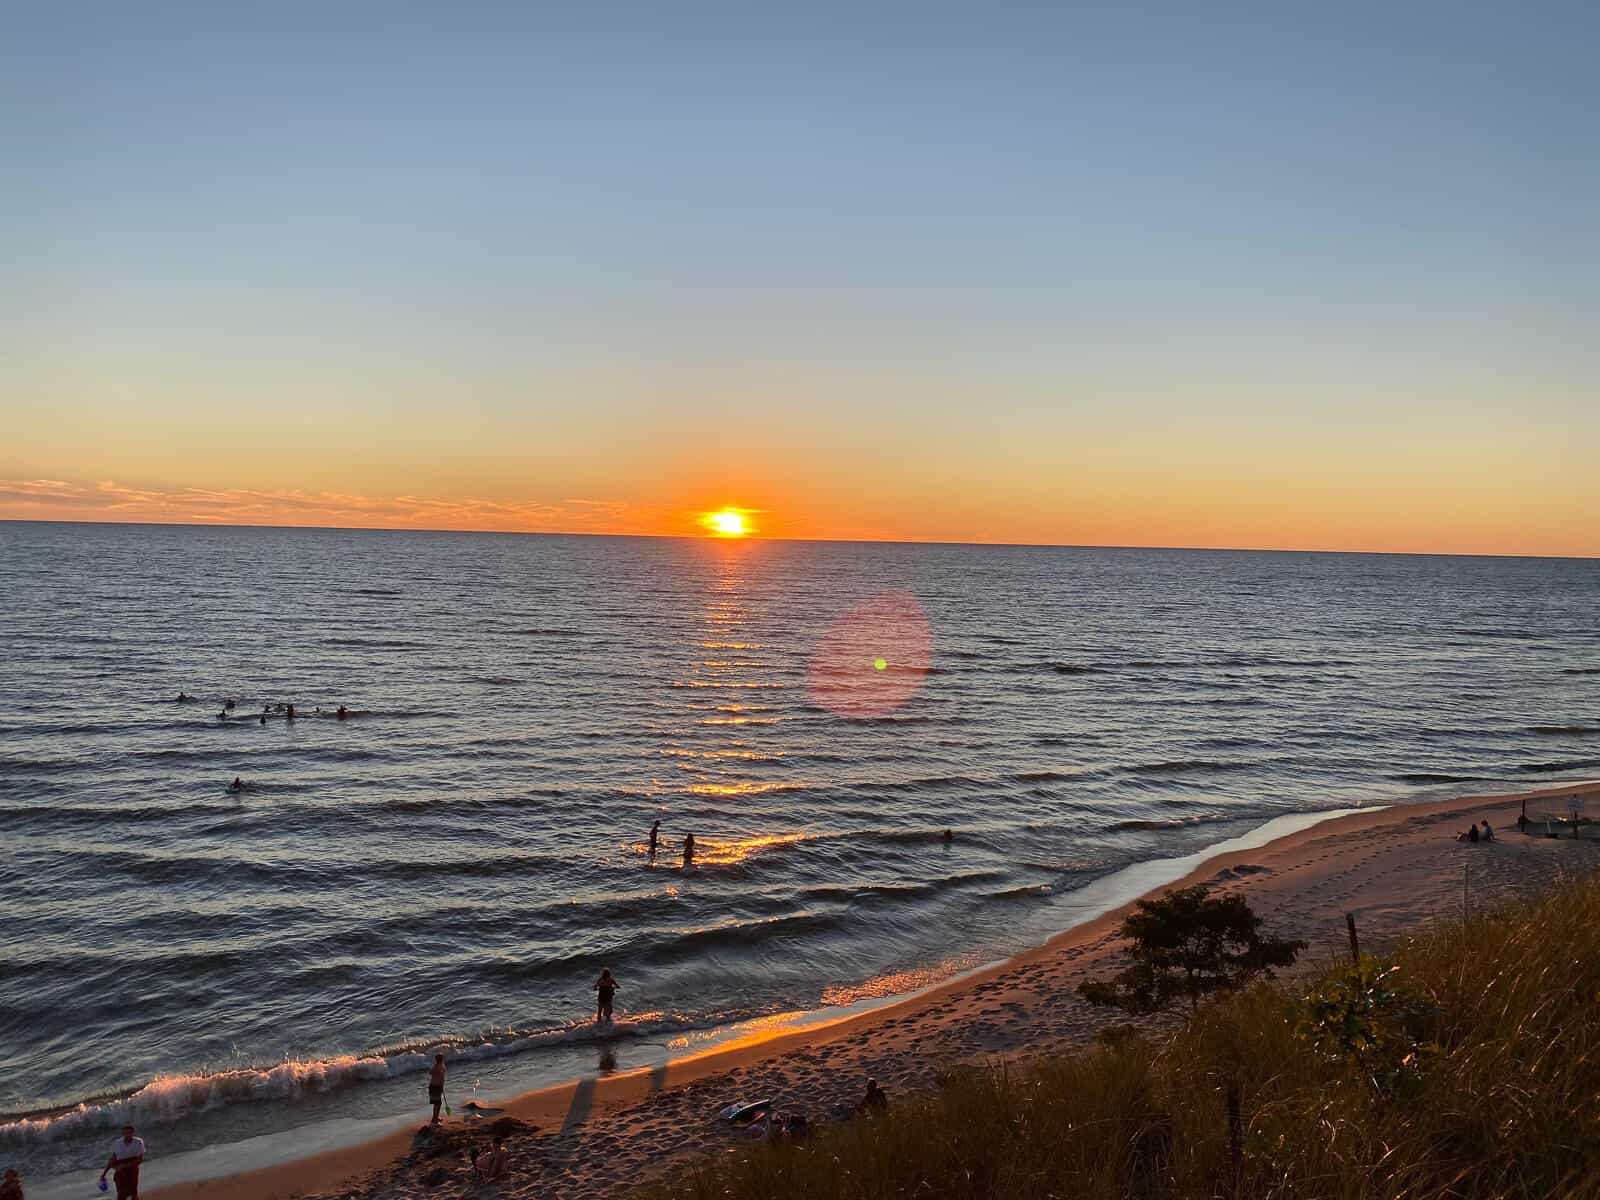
[(451, 865)]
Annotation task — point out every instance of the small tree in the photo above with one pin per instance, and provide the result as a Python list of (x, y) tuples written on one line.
[(1189, 945)]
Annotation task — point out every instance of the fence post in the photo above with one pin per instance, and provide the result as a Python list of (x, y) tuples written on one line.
[(1235, 1136), (1355, 942)]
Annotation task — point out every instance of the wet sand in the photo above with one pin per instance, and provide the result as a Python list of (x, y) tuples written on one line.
[(1398, 870)]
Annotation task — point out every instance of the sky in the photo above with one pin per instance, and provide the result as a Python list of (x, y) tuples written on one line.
[(1280, 275)]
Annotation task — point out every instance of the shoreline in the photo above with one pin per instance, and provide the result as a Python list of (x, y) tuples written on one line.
[(567, 1115)]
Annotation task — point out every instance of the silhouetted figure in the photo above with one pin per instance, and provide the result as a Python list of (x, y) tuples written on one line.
[(688, 849), (948, 837), (655, 831), (223, 715), (237, 785), (11, 1186), (436, 1085), (263, 716), (1488, 834), (1472, 834), (342, 713), (875, 1101), (291, 712), (605, 989), (184, 698), (227, 704)]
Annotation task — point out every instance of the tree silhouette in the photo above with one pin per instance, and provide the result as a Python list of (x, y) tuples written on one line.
[(1190, 945)]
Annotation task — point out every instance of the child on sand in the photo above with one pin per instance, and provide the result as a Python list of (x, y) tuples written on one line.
[(606, 988), (492, 1163)]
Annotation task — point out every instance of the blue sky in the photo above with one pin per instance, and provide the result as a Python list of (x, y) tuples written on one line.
[(633, 242)]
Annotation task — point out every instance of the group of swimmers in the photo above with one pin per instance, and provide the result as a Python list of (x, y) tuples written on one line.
[(688, 844), (288, 710)]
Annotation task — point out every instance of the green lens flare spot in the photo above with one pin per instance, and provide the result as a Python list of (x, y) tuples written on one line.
[(880, 664)]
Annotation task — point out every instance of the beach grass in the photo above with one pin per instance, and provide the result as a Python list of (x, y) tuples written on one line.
[(1466, 1063)]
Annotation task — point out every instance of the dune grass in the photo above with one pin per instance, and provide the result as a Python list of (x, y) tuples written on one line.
[(1465, 1064)]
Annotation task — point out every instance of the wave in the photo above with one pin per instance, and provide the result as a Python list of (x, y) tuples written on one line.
[(173, 1097), (1571, 764), (376, 643), (1433, 777), (1049, 776), (1075, 669), (1176, 765), (549, 632), (1575, 730), (1581, 671)]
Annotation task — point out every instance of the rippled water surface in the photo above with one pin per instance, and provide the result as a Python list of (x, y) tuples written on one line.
[(455, 862)]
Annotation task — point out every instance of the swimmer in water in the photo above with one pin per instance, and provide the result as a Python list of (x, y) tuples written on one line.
[(948, 837), (223, 715), (237, 785), (263, 716), (342, 713), (291, 712), (655, 831), (227, 704), (688, 849), (183, 698)]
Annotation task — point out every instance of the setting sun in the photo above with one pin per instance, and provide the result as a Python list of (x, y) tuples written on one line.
[(726, 523)]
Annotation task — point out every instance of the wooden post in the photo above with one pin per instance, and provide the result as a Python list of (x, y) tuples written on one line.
[(1235, 1136), (1355, 942)]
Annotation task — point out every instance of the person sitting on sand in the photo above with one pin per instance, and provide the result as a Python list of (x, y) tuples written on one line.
[(126, 1155), (1488, 834), (606, 988), (11, 1186), (493, 1163), (688, 849), (875, 1101), (436, 1085)]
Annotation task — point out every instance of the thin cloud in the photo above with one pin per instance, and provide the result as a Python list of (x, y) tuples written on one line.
[(109, 500)]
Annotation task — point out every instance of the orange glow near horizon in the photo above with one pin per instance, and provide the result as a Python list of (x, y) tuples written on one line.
[(727, 523)]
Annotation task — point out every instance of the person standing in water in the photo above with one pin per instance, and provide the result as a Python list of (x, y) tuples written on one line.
[(127, 1152), (606, 989), (655, 832), (436, 1085), (688, 849)]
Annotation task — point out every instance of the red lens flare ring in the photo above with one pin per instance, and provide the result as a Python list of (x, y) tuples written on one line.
[(872, 659)]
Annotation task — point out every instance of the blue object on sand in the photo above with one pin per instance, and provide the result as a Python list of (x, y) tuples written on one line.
[(744, 1114)]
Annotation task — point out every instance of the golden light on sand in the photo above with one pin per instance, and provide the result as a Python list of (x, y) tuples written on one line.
[(726, 522)]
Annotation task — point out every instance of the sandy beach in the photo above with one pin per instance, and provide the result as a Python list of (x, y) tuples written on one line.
[(1396, 870)]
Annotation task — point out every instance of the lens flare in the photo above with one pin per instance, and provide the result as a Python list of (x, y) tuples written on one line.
[(872, 659)]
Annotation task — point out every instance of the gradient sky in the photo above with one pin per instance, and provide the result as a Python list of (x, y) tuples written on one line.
[(1277, 275)]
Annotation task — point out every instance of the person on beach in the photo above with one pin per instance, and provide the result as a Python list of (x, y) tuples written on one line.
[(11, 1185), (436, 1085), (492, 1163), (606, 989), (688, 849), (655, 833), (1488, 834), (875, 1101), (126, 1155)]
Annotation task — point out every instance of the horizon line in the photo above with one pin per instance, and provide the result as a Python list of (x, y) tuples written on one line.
[(687, 537)]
